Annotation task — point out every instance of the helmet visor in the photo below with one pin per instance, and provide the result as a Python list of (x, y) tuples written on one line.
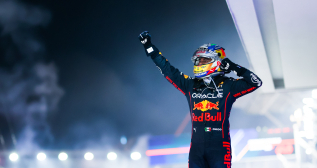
[(203, 61)]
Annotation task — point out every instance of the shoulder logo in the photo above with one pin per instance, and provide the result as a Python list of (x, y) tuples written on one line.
[(220, 84), (160, 70), (254, 79), (185, 76)]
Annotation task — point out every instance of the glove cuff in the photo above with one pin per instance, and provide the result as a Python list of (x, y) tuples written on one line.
[(150, 49)]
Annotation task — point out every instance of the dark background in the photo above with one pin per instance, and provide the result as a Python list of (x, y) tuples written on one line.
[(110, 87)]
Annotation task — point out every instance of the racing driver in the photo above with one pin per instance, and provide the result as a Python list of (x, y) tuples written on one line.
[(210, 95)]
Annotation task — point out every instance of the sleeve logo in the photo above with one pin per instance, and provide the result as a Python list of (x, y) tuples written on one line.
[(149, 50), (254, 79)]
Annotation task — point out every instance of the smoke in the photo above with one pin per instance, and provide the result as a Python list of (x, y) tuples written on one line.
[(29, 88), (19, 21)]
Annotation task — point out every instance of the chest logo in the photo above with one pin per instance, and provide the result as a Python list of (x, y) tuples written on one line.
[(206, 105), (208, 95), (220, 84)]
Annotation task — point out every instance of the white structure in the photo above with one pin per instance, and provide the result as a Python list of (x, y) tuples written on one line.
[(279, 38)]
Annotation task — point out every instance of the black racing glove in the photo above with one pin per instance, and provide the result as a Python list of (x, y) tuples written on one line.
[(145, 39), (227, 66)]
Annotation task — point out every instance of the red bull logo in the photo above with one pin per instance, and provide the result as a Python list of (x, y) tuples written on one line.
[(227, 157), (207, 117), (206, 105)]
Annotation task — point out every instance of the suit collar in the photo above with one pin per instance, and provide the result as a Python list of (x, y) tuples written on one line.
[(199, 83)]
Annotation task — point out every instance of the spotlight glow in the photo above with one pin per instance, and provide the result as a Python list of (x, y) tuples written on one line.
[(309, 151), (258, 129), (298, 114), (41, 156), (308, 101), (112, 156), (135, 156), (89, 156), (123, 140), (308, 112), (62, 156), (14, 157)]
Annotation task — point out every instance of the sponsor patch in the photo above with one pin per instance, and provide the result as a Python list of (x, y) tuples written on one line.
[(208, 95), (207, 129), (220, 84), (206, 117), (206, 105), (185, 76), (254, 79), (227, 157), (244, 92), (149, 50)]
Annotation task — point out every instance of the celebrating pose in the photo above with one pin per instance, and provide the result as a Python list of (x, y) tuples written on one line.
[(210, 96)]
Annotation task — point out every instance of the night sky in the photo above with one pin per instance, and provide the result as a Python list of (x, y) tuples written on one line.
[(110, 87)]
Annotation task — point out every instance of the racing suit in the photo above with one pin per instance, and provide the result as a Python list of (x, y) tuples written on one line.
[(210, 110)]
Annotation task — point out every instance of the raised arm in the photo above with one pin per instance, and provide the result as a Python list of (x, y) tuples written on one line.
[(172, 74), (247, 84)]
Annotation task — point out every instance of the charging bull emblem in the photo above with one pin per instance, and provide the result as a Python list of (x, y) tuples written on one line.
[(206, 105)]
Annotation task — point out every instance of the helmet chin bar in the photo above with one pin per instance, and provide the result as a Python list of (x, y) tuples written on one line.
[(212, 75)]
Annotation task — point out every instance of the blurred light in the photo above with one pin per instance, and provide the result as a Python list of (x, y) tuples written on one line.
[(309, 151), (309, 129), (292, 118), (314, 93), (277, 130), (263, 143), (285, 147), (308, 120), (308, 112), (89, 156), (123, 140), (309, 135), (270, 131), (14, 157), (135, 156), (167, 151), (264, 129), (41, 156), (112, 156), (258, 128), (286, 129), (267, 147), (298, 114), (309, 101), (62, 156)]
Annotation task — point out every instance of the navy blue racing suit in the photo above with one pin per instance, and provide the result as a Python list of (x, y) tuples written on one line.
[(210, 110)]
